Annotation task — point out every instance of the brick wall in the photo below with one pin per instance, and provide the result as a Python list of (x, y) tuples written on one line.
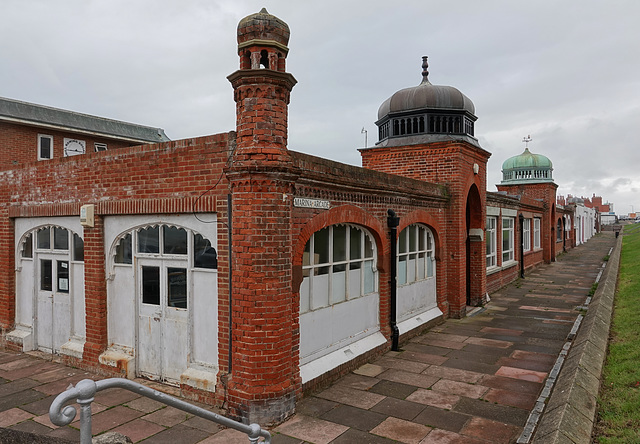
[(163, 178)]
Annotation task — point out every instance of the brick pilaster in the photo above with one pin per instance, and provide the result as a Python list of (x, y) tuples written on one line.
[(95, 292)]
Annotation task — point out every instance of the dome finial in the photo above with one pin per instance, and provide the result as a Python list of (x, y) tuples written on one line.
[(526, 141), (425, 70)]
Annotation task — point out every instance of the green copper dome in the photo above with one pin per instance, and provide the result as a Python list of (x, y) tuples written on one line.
[(526, 168)]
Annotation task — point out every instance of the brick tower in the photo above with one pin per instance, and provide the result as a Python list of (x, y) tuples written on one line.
[(264, 358), (426, 132), (531, 175)]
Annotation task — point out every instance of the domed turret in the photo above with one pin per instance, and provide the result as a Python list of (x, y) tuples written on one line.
[(527, 167), (263, 26), (426, 113), (262, 88), (262, 41)]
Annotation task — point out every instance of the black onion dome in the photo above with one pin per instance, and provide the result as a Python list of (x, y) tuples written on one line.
[(426, 113), (426, 96)]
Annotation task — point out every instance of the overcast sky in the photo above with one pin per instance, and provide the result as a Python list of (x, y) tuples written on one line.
[(565, 72)]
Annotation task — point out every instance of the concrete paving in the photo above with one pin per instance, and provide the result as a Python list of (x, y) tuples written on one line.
[(474, 380)]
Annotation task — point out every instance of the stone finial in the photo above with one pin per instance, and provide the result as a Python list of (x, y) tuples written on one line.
[(425, 70)]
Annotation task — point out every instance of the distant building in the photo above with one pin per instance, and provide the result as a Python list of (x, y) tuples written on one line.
[(30, 132)]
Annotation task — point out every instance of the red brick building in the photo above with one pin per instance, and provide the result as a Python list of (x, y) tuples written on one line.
[(242, 271)]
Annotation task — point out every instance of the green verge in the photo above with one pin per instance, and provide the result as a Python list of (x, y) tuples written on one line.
[(619, 401)]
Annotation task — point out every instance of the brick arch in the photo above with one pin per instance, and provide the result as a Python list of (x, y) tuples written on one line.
[(339, 215), (474, 247), (424, 218), (475, 206)]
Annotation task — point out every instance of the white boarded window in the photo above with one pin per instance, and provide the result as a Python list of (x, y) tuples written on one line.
[(416, 259), (338, 264)]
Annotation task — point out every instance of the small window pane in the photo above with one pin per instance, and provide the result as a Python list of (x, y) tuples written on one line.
[(149, 240), (304, 293), (412, 238), (420, 267), (151, 285), (27, 246), (45, 147), (506, 242), (205, 256), (175, 240), (338, 284), (44, 238), (368, 246), (78, 248), (123, 250), (355, 247), (63, 276), (321, 246), (402, 242), (422, 235), (339, 243), (46, 275), (369, 277), (306, 256), (60, 239), (402, 270), (177, 287)]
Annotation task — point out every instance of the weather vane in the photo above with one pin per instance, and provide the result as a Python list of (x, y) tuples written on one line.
[(526, 141)]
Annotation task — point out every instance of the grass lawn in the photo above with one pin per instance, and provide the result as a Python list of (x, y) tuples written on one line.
[(619, 403)]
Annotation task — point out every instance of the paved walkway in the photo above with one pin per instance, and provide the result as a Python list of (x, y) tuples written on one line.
[(466, 381)]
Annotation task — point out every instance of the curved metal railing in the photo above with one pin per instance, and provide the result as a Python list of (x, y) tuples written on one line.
[(85, 390)]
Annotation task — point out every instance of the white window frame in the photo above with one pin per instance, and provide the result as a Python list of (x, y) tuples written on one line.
[(536, 233), (40, 138), (526, 235), (491, 239), (411, 255), (129, 240), (507, 250), (100, 147), (312, 270)]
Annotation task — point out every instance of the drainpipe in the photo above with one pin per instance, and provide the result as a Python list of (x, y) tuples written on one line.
[(521, 220), (230, 239), (392, 222)]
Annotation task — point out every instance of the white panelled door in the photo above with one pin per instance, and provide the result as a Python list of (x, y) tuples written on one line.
[(53, 310), (162, 319)]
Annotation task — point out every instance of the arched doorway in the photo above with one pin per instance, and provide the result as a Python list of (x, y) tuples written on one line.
[(474, 248)]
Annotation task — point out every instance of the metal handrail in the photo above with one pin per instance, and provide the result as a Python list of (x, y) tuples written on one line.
[(85, 390)]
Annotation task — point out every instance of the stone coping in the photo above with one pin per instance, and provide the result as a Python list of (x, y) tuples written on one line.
[(570, 413)]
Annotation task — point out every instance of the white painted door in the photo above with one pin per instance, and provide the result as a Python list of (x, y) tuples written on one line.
[(163, 319), (53, 308)]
